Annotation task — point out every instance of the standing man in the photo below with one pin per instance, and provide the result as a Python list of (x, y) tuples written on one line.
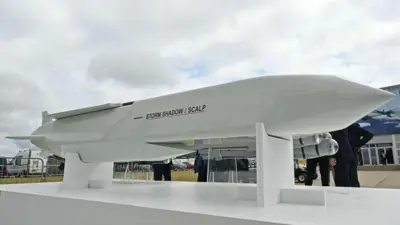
[(158, 171), (323, 163), (162, 169), (167, 170), (343, 158), (357, 138), (382, 157), (200, 168)]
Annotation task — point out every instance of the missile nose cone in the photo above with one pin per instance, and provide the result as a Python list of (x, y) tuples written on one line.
[(316, 104), (374, 94), (326, 136), (333, 147)]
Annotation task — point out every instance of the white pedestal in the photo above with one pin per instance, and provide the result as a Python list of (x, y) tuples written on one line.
[(177, 203), (80, 175), (275, 171)]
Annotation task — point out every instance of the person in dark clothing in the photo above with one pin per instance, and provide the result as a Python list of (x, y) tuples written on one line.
[(157, 171), (324, 170), (242, 164), (382, 157), (357, 138), (202, 177), (360, 157), (200, 167), (198, 161), (162, 169), (61, 167), (167, 171), (243, 169), (343, 158)]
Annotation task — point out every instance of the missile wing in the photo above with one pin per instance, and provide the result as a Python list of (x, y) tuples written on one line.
[(286, 104)]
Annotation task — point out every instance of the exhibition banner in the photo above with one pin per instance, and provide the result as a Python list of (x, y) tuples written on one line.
[(386, 119)]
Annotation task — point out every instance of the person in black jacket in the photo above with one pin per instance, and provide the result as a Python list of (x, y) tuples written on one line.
[(200, 167), (162, 169), (61, 167), (324, 170), (343, 157), (167, 170), (357, 138)]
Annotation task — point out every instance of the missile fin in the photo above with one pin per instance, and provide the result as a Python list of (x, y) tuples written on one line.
[(29, 137)]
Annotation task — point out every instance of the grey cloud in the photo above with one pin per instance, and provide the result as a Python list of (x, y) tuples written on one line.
[(12, 25), (19, 93), (7, 151), (385, 10), (20, 104), (135, 68), (78, 53), (156, 22)]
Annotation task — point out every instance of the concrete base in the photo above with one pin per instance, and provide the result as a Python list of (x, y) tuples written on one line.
[(179, 203)]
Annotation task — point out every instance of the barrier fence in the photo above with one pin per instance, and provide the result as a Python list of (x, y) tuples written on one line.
[(28, 170), (34, 170)]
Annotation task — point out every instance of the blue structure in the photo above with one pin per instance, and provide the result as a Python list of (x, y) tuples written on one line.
[(386, 119)]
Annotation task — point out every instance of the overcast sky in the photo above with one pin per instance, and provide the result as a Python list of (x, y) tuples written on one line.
[(60, 55)]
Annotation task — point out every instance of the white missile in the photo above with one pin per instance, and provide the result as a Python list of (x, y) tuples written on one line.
[(142, 130), (307, 140), (326, 147)]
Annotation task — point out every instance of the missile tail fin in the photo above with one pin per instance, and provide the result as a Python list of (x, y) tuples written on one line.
[(28, 137)]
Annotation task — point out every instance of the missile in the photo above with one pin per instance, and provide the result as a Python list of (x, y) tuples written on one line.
[(145, 130), (245, 147), (327, 147), (305, 140)]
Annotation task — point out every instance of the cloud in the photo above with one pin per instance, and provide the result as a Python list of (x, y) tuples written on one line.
[(20, 100), (58, 56), (136, 68)]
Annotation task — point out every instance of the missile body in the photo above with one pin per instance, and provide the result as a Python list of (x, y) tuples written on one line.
[(314, 146), (307, 140), (141, 130), (324, 146), (327, 147)]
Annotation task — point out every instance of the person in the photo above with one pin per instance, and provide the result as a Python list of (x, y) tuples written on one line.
[(167, 170), (357, 138), (382, 157), (243, 170), (157, 171), (61, 167), (343, 158), (324, 169), (200, 168), (162, 169), (360, 157)]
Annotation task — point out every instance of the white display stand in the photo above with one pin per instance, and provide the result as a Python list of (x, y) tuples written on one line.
[(79, 175), (276, 154), (88, 196)]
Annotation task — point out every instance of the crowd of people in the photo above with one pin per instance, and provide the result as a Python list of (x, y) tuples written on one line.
[(345, 162)]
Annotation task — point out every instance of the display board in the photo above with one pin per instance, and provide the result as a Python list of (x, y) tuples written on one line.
[(386, 119)]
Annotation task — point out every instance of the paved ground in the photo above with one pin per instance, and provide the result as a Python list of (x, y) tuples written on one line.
[(376, 179)]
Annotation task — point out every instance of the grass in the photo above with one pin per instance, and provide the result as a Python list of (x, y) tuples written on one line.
[(176, 176), (25, 180)]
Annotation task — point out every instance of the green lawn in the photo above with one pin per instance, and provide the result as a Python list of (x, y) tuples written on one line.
[(24, 180), (176, 176)]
